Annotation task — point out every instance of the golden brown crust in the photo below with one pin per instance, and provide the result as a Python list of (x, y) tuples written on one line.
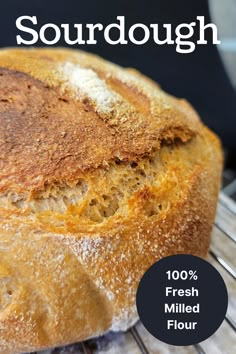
[(37, 99), (92, 195)]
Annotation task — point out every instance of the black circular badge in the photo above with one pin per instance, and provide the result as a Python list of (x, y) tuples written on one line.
[(182, 300)]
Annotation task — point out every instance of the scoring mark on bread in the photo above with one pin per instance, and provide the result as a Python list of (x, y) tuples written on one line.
[(103, 194)]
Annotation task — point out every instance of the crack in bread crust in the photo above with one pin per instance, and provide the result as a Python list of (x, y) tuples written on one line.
[(104, 193)]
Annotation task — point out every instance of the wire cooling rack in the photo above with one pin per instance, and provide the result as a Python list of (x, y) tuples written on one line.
[(223, 256)]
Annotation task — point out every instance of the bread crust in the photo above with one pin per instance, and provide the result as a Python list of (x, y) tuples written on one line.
[(95, 186), (39, 97)]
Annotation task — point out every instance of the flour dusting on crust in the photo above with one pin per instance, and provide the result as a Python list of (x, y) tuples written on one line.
[(86, 84), (126, 320)]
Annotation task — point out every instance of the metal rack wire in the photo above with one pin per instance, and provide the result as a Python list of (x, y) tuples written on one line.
[(136, 340)]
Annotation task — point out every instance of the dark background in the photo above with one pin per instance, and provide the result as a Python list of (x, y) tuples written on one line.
[(199, 76)]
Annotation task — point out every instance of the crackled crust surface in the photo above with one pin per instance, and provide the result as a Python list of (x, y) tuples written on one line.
[(102, 174), (96, 111)]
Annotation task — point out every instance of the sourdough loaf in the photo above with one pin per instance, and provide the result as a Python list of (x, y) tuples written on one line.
[(101, 174)]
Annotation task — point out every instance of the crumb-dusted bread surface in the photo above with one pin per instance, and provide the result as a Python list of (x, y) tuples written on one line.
[(101, 175)]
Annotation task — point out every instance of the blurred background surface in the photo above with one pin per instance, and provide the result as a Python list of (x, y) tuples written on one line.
[(224, 14)]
